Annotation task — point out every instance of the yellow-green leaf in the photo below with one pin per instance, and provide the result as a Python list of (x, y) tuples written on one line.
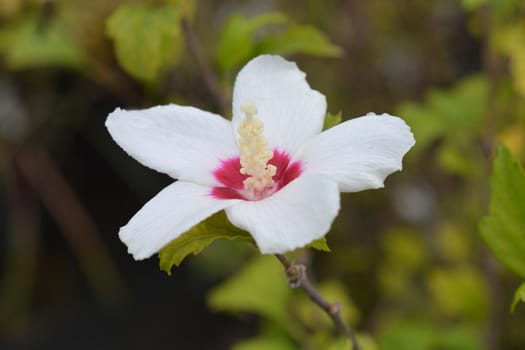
[(504, 229), (198, 238), (473, 4), (518, 296), (303, 39), (320, 244), (458, 108), (186, 7), (331, 120), (265, 343), (26, 44), (511, 41), (458, 291), (236, 43), (148, 40), (260, 287)]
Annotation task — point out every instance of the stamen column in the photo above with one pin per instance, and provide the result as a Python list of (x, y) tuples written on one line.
[(255, 153)]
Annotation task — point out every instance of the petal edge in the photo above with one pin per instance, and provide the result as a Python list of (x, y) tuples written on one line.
[(291, 111), (291, 218), (359, 153), (173, 211), (171, 138)]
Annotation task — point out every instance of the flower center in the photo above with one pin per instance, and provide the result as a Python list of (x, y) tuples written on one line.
[(228, 174), (255, 153), (258, 172)]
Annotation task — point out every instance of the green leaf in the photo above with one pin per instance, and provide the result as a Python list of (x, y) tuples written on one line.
[(504, 229), (303, 39), (260, 287), (236, 43), (453, 158), (423, 335), (198, 238), (472, 4), (27, 44), (331, 120), (147, 40), (265, 343), (320, 244), (458, 292), (343, 343), (459, 108), (186, 7), (518, 296), (510, 41)]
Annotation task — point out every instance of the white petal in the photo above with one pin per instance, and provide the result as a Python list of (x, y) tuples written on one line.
[(183, 142), (291, 111), (359, 153), (291, 218), (166, 216)]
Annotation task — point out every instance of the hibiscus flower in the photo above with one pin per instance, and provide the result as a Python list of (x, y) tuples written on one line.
[(272, 169)]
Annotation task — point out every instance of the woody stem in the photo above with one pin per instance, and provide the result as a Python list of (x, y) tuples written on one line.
[(297, 277)]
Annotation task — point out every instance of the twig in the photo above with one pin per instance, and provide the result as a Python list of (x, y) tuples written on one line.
[(21, 248), (75, 223), (296, 274), (207, 75), (112, 80)]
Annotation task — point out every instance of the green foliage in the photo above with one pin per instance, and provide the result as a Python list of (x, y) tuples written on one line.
[(459, 292), (265, 343), (460, 108), (404, 255), (422, 336), (243, 38), (198, 238), (454, 243), (502, 9), (320, 244), (519, 295), (511, 41), (331, 120), (30, 43), (236, 44), (504, 229), (473, 4), (148, 40), (300, 39), (315, 318), (260, 287), (186, 7)]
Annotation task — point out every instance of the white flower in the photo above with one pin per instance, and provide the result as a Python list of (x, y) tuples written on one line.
[(271, 168)]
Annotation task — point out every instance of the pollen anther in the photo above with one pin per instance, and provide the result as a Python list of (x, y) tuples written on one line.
[(255, 153)]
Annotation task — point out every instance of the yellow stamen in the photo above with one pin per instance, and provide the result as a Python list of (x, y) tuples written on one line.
[(255, 153)]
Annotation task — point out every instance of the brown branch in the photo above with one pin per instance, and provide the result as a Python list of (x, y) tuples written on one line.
[(112, 80), (74, 221), (207, 75), (296, 274), (21, 249)]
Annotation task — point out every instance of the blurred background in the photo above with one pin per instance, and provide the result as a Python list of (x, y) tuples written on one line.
[(408, 262)]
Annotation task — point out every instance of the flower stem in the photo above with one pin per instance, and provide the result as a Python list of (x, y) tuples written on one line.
[(207, 75), (296, 274)]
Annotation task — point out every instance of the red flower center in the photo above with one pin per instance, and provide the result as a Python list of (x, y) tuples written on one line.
[(229, 174)]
